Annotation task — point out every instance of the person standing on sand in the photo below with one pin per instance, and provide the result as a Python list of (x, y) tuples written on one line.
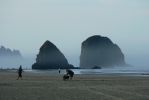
[(20, 70), (70, 73), (59, 70)]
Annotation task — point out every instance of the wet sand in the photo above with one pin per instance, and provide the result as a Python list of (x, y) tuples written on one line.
[(36, 86)]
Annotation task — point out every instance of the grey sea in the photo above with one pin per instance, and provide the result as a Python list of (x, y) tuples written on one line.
[(125, 71)]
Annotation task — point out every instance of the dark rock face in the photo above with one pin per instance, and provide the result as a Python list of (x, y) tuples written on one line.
[(100, 51), (50, 57)]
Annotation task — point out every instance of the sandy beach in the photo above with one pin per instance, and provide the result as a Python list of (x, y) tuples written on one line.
[(36, 86)]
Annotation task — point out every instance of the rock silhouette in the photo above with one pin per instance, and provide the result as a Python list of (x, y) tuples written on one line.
[(10, 58), (50, 57), (100, 51), (6, 52)]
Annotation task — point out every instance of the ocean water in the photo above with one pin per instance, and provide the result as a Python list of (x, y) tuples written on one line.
[(132, 71)]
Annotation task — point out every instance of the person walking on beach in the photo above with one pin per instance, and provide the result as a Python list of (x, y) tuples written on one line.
[(59, 70), (20, 70)]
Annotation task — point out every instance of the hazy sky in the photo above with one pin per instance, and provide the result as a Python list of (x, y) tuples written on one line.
[(26, 24)]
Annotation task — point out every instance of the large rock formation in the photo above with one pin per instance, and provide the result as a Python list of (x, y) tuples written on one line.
[(50, 57), (98, 51)]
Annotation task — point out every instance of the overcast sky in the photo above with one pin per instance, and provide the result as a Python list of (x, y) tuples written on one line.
[(27, 24)]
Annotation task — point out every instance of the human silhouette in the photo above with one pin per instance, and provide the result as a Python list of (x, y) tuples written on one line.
[(59, 70), (65, 77), (70, 73), (20, 70)]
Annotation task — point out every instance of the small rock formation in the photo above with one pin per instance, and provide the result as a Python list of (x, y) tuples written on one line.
[(96, 67), (100, 51), (9, 58), (50, 57), (6, 52)]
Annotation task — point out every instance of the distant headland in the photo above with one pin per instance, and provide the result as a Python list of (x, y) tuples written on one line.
[(6, 52), (9, 58)]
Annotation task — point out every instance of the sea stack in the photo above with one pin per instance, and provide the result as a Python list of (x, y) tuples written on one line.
[(9, 57), (100, 52), (50, 57)]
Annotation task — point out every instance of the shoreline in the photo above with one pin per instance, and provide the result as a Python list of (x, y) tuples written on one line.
[(55, 72)]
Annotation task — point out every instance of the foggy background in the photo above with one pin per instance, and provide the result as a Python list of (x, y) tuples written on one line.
[(26, 24)]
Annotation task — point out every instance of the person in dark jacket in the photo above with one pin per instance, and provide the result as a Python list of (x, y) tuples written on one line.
[(70, 73), (59, 70), (20, 70), (66, 77)]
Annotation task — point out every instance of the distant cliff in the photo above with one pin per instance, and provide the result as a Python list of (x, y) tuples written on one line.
[(98, 51), (6, 52), (9, 58), (50, 57)]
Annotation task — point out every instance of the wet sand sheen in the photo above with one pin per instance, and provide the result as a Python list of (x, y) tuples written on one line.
[(83, 87)]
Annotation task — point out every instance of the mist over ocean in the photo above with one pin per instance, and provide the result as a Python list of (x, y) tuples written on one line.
[(25, 25), (139, 68), (74, 49)]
